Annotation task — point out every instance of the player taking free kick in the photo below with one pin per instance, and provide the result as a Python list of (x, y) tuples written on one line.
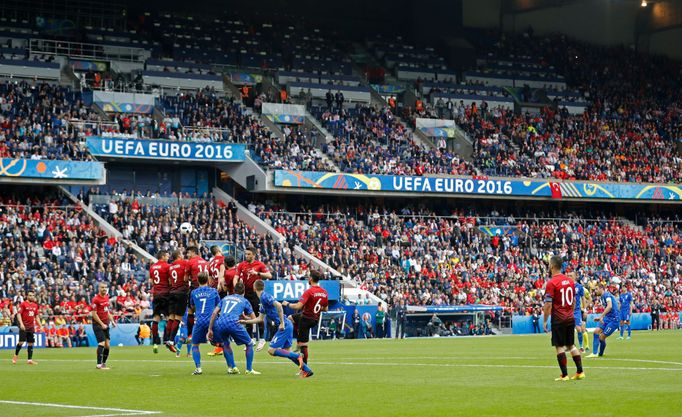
[(559, 299)]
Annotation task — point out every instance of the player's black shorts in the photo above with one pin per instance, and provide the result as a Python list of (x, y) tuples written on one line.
[(303, 326), (563, 334), (161, 304), (27, 336), (252, 298), (100, 334), (177, 303)]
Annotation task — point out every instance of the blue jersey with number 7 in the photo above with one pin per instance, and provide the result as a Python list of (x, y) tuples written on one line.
[(231, 309), (204, 300)]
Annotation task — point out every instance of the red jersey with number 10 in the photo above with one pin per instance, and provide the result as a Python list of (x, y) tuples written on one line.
[(560, 290), (158, 273), (29, 313), (315, 300)]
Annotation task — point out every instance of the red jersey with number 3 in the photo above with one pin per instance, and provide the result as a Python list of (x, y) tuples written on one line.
[(29, 313), (101, 307), (315, 300), (158, 273), (176, 276), (560, 290), (196, 265)]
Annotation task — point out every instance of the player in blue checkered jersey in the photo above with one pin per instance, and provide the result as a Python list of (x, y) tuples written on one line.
[(282, 340)]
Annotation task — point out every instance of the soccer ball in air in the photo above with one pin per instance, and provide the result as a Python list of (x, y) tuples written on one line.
[(615, 281), (185, 228)]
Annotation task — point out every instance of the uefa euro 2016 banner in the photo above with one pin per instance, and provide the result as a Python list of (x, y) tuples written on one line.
[(49, 169), (293, 290), (439, 128), (284, 113), (165, 149), (535, 188)]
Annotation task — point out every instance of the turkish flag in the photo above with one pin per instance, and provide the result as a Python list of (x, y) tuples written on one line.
[(556, 189)]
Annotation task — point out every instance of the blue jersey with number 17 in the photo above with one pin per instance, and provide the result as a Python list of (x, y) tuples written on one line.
[(614, 314), (231, 309), (204, 300)]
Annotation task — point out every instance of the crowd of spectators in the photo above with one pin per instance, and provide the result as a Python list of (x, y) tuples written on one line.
[(51, 247), (154, 225), (40, 121), (370, 140), (425, 259)]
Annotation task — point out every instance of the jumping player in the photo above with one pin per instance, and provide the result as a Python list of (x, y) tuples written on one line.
[(179, 289), (282, 340), (248, 272), (313, 301), (28, 318), (158, 274), (608, 322), (625, 300), (101, 318), (225, 323), (195, 265), (559, 303), (202, 303)]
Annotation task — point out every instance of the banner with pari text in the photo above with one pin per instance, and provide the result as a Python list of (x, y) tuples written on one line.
[(166, 149), (293, 290), (537, 188)]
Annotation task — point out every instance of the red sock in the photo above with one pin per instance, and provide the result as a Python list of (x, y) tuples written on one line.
[(155, 329)]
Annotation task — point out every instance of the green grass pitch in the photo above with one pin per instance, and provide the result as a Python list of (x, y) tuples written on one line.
[(492, 376)]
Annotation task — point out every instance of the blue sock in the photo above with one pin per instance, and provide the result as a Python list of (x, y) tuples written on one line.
[(286, 354), (602, 346), (178, 343), (629, 330), (595, 344), (580, 339), (249, 357), (188, 348), (622, 330), (196, 354), (229, 356), (306, 369)]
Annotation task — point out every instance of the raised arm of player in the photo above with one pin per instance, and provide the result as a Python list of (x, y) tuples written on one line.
[(216, 312)]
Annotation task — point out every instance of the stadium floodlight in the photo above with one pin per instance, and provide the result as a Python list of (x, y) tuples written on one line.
[(644, 3)]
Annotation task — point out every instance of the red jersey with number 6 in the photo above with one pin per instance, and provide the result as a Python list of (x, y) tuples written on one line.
[(560, 290), (315, 300), (158, 273), (29, 313)]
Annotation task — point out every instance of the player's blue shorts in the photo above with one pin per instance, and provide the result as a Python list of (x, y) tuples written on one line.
[(608, 327), (283, 339), (578, 317), (625, 315), (199, 333), (236, 331)]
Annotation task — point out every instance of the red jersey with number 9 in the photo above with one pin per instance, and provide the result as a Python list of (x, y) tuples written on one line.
[(560, 290), (176, 274), (315, 300), (158, 274)]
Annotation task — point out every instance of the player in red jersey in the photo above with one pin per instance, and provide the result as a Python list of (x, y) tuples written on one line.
[(225, 285), (314, 301), (249, 271), (559, 303), (178, 275), (216, 266), (28, 319), (196, 265), (101, 318), (158, 274)]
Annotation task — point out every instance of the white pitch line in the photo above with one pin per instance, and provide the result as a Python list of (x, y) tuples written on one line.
[(120, 411), (409, 364)]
